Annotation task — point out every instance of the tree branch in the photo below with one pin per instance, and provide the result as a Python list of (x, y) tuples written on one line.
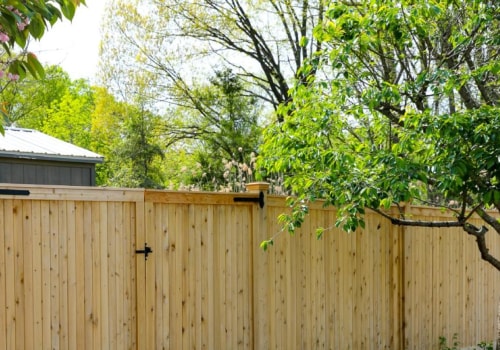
[(493, 222), (418, 223), (480, 233)]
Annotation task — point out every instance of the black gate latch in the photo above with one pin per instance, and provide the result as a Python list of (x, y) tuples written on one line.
[(147, 250)]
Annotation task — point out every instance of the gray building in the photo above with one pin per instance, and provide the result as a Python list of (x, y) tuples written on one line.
[(31, 157)]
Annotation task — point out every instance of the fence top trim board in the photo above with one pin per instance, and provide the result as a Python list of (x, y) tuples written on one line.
[(77, 193), (84, 193), (197, 197)]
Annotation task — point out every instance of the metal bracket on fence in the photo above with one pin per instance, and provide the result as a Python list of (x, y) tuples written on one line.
[(7, 192), (259, 199)]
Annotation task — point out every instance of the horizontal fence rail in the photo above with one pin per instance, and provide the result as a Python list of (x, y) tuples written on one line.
[(74, 275)]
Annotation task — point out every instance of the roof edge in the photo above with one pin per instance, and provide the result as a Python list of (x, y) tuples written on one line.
[(53, 157)]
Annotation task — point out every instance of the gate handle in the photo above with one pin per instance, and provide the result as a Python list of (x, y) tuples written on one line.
[(147, 250)]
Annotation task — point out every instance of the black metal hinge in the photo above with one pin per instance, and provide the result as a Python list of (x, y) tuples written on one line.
[(146, 251), (8, 192), (259, 199)]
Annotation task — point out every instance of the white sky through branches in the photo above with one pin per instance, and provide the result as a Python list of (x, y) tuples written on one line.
[(74, 45)]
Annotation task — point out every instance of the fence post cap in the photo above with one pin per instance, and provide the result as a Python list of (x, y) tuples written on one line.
[(257, 187)]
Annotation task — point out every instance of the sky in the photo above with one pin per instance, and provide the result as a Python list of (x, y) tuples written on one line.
[(74, 45)]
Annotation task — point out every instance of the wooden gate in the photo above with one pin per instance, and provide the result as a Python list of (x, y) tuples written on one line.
[(198, 280), (67, 268)]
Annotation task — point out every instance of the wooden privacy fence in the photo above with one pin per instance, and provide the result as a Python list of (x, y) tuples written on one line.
[(70, 276)]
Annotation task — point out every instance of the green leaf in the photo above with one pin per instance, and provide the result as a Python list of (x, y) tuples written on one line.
[(362, 223), (496, 197), (303, 41), (319, 232), (17, 67), (265, 244), (386, 203), (37, 26), (34, 66), (488, 196), (68, 9)]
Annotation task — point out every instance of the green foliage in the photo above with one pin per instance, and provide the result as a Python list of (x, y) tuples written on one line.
[(51, 104), (131, 138), (443, 344), (27, 102), (403, 106), (265, 244), (222, 133), (485, 346), (20, 21), (138, 151), (73, 111), (74, 108)]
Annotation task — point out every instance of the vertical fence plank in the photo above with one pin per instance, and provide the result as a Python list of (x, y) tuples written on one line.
[(19, 285), (168, 248), (142, 315), (216, 279), (206, 264), (134, 300), (222, 278), (210, 269), (198, 235), (119, 273), (176, 284), (184, 254), (10, 293), (105, 280), (3, 282), (396, 332), (54, 275), (238, 294), (190, 292), (46, 238), (88, 275), (78, 248), (149, 283), (71, 307), (112, 295), (292, 287), (159, 259), (26, 233), (63, 275), (228, 275), (97, 271)]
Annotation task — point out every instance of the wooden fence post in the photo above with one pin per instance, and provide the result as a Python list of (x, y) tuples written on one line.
[(260, 310)]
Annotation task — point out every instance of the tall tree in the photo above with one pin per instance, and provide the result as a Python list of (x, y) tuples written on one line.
[(107, 118), (222, 128), (263, 42), (138, 151), (404, 107)]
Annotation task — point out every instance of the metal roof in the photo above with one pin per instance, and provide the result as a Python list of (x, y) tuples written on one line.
[(32, 144)]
